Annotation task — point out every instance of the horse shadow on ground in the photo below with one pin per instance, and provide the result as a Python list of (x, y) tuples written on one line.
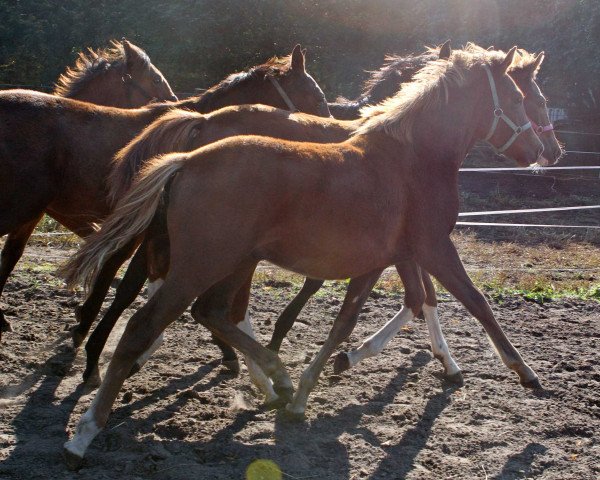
[(520, 465), (295, 448)]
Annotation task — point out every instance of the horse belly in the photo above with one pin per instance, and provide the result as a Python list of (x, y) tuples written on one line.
[(332, 256)]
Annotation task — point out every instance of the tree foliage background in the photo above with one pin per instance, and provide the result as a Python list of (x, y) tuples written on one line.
[(197, 42)]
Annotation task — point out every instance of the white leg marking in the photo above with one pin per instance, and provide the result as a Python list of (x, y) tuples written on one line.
[(377, 342), (258, 377), (85, 433), (153, 287), (439, 347)]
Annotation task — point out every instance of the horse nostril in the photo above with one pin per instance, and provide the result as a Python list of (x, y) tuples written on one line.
[(173, 98)]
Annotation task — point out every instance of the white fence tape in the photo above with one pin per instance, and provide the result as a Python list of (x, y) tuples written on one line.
[(494, 224), (527, 210), (530, 170)]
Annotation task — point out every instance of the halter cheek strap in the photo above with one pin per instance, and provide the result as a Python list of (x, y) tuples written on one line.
[(292, 108), (499, 114)]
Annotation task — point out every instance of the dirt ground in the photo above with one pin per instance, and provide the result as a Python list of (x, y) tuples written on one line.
[(183, 417)]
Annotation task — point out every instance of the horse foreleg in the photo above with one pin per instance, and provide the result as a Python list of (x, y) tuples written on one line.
[(11, 253), (439, 347), (142, 331), (442, 261), (127, 291), (356, 295), (87, 312), (290, 314)]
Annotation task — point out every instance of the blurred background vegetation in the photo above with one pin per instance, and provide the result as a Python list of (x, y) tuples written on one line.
[(197, 42)]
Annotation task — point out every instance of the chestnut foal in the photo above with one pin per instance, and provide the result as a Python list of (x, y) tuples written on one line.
[(185, 131), (327, 211)]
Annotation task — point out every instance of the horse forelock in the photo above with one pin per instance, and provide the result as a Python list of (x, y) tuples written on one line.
[(427, 92), (90, 65)]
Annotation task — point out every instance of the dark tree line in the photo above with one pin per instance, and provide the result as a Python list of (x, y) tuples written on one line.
[(197, 42)]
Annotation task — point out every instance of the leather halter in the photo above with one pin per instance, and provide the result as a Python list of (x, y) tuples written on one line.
[(292, 108), (499, 114), (133, 85)]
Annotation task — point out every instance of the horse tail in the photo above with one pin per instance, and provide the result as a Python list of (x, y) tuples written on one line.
[(175, 131), (132, 216)]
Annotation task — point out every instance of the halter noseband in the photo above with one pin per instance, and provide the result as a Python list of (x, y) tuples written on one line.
[(133, 85), (284, 95), (499, 114), (539, 129)]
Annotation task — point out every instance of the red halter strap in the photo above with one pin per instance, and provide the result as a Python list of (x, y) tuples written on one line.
[(539, 129)]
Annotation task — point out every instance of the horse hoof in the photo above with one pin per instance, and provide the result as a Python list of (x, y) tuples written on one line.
[(92, 379), (73, 461), (233, 366), (534, 384), (77, 337), (275, 404), (341, 363), (295, 417), (5, 326), (134, 369), (455, 378)]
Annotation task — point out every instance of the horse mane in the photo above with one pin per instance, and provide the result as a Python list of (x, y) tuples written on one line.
[(89, 65), (275, 66), (172, 132), (393, 66), (429, 89)]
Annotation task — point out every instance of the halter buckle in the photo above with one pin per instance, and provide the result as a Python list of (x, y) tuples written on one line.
[(498, 112)]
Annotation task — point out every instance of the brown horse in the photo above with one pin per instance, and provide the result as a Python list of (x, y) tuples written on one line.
[(56, 153), (383, 83), (326, 211), (185, 131), (120, 76)]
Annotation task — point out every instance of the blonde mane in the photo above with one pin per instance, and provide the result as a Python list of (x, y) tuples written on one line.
[(428, 91), (174, 131)]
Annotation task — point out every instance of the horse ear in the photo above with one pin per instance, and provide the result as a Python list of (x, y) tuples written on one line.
[(536, 64), (297, 61), (507, 62), (445, 50), (133, 54)]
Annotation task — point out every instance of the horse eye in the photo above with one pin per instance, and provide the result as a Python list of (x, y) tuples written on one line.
[(519, 100), (157, 80)]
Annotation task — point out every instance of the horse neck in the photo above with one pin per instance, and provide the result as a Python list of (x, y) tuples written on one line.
[(445, 136), (246, 92), (106, 89)]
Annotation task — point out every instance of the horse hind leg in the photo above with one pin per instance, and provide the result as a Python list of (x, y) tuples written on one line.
[(128, 289), (413, 300), (223, 311), (142, 330), (11, 253), (88, 311)]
